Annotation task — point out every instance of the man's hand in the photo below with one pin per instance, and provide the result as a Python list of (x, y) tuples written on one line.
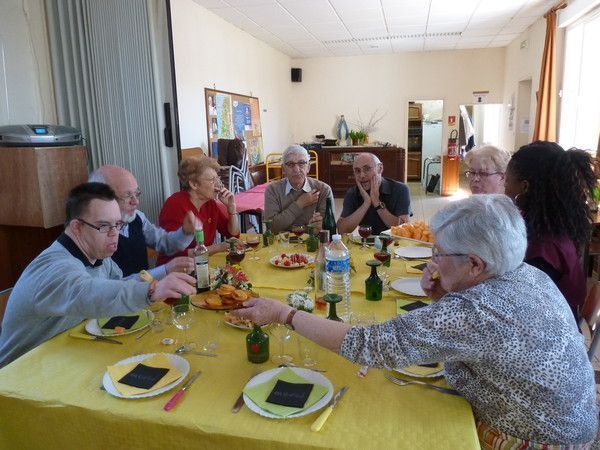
[(228, 200), (317, 221), (173, 286), (189, 223), (308, 198), (374, 192), (183, 264)]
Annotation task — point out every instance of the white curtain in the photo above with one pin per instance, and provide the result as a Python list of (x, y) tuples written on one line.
[(102, 64)]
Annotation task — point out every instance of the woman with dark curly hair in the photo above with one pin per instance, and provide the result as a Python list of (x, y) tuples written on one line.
[(552, 187)]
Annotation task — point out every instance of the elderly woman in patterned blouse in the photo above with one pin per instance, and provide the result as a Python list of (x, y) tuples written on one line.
[(503, 330)]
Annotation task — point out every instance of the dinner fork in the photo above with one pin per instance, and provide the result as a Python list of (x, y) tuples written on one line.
[(400, 382)]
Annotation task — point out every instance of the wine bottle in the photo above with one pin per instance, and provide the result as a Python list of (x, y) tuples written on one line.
[(257, 345), (329, 219), (201, 263)]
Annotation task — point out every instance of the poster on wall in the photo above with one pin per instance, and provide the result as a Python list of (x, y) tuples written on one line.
[(229, 116)]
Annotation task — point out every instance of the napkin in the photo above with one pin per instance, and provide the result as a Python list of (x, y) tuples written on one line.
[(160, 360), (260, 392), (405, 305), (416, 268), (129, 322)]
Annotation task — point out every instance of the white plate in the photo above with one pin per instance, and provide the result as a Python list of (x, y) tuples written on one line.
[(396, 237), (309, 375), (181, 364), (310, 260), (439, 373), (410, 286), (92, 326), (413, 252)]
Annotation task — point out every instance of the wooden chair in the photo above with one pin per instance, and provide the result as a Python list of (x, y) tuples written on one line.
[(3, 302), (590, 317), (191, 152)]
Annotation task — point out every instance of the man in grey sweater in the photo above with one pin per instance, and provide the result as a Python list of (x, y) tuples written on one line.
[(296, 199), (74, 279)]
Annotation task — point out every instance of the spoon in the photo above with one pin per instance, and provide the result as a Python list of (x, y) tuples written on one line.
[(182, 349)]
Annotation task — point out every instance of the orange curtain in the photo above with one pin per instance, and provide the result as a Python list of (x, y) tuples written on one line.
[(545, 114)]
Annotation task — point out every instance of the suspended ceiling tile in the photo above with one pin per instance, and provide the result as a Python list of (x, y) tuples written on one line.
[(446, 27), (412, 29), (348, 5), (310, 11)]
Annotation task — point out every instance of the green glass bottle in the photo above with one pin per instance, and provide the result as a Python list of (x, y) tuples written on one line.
[(268, 234), (373, 284), (329, 219), (201, 263), (257, 345), (312, 242), (184, 300)]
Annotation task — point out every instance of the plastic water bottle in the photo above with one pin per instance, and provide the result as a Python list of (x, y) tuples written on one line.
[(337, 267)]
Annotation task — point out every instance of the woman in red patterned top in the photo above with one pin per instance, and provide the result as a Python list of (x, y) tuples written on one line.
[(200, 185)]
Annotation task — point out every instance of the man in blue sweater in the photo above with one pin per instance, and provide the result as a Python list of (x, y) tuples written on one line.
[(75, 279)]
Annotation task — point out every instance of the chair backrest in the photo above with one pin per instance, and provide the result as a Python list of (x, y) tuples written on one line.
[(231, 152), (3, 302), (591, 317)]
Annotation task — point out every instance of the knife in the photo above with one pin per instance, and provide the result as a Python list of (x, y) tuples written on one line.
[(90, 337), (240, 400), (318, 424), (171, 403)]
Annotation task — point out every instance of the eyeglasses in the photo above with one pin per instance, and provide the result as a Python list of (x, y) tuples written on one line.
[(473, 174), (365, 169), (300, 164), (131, 195), (104, 228), (435, 253), (216, 181)]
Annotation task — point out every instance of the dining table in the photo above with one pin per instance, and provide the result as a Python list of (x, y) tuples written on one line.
[(51, 397)]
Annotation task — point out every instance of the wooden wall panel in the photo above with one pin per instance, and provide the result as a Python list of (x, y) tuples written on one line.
[(450, 175)]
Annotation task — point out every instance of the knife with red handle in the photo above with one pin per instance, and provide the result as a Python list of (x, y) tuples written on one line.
[(171, 403)]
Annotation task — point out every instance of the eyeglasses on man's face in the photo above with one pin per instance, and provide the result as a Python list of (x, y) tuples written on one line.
[(435, 254), (291, 164), (105, 227), (476, 174), (131, 196)]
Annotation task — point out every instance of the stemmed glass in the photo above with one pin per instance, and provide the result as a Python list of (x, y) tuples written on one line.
[(282, 334), (183, 318), (236, 253), (299, 230), (365, 232), (253, 241)]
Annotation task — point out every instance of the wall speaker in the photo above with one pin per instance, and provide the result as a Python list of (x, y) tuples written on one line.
[(296, 75)]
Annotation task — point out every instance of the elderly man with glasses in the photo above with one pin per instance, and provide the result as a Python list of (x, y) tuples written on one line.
[(375, 201), (138, 232), (296, 199), (75, 279)]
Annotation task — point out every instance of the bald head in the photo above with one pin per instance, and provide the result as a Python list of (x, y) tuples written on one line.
[(363, 159), (367, 168), (125, 186)]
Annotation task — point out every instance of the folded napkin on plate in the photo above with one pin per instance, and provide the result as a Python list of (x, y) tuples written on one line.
[(127, 373), (129, 322), (422, 371), (260, 392), (405, 305), (415, 267)]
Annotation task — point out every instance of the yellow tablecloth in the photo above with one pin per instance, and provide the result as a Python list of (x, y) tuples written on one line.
[(51, 397)]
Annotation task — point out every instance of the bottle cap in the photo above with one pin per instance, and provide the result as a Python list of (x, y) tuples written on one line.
[(336, 237)]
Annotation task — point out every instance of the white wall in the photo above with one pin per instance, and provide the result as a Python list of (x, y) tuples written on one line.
[(345, 85), (26, 92), (211, 53)]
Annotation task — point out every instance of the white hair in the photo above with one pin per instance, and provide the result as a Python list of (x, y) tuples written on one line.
[(487, 225), (97, 177), (497, 156), (294, 150)]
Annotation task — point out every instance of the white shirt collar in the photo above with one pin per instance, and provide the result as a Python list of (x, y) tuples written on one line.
[(305, 187)]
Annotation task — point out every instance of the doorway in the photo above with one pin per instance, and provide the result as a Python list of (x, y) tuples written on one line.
[(424, 140)]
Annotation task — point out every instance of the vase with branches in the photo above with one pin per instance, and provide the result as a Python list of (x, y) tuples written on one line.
[(368, 127)]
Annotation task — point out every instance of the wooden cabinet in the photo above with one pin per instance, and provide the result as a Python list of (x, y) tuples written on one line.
[(335, 165), (413, 166)]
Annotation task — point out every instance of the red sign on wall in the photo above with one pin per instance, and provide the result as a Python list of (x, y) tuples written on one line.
[(451, 120)]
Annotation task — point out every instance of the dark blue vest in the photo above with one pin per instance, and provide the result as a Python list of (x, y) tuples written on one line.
[(131, 255)]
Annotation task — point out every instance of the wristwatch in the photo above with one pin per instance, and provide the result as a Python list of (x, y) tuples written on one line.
[(380, 206), (290, 317)]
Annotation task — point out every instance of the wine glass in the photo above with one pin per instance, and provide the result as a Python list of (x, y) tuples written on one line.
[(183, 318), (365, 232), (282, 334), (299, 230), (236, 254), (253, 241)]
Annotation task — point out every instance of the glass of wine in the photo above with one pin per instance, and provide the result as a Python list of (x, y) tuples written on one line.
[(365, 232), (299, 230), (236, 253), (253, 241), (182, 315), (282, 334)]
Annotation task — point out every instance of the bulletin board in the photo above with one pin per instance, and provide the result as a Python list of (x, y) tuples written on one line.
[(230, 116)]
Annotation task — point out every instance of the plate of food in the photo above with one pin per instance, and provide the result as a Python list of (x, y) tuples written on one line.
[(434, 370), (413, 252), (120, 325), (225, 298), (174, 361), (415, 232), (238, 322), (291, 260), (410, 286)]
